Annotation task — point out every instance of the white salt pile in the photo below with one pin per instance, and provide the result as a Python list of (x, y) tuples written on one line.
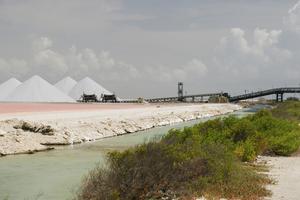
[(7, 87), (66, 84), (37, 89), (87, 86)]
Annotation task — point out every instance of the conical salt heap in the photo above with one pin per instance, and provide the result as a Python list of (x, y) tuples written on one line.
[(87, 86), (66, 84), (37, 89), (7, 87)]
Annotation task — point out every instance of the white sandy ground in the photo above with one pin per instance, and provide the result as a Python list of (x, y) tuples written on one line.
[(285, 171), (80, 126)]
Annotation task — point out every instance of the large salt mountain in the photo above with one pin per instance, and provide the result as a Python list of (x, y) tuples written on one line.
[(37, 89), (66, 84), (87, 86), (7, 87)]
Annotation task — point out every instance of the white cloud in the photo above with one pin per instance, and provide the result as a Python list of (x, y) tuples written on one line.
[(78, 62), (237, 55), (45, 60), (50, 61), (194, 68), (13, 67), (293, 18), (42, 43), (87, 61), (106, 60), (52, 64)]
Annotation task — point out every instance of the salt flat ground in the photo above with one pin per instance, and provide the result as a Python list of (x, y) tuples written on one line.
[(72, 123), (46, 107), (285, 171), (42, 112)]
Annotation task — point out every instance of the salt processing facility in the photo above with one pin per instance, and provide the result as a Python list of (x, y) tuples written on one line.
[(68, 90)]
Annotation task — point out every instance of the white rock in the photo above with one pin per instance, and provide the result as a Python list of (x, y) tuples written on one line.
[(2, 133)]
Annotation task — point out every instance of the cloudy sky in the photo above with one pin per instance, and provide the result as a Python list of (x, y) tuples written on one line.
[(144, 47)]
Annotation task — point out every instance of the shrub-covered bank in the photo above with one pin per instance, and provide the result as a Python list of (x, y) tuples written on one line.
[(288, 110), (207, 159)]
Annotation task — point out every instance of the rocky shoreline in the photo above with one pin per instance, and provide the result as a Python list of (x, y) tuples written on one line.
[(29, 133)]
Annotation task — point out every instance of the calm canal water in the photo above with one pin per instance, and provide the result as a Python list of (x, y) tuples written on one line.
[(56, 174)]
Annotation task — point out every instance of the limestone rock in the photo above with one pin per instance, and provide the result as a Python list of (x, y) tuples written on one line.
[(35, 127), (2, 133)]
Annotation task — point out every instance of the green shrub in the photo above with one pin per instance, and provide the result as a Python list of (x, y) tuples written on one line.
[(242, 130), (154, 171), (246, 151), (253, 135), (286, 144)]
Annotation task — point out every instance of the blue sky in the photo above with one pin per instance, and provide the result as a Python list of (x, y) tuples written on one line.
[(144, 47)]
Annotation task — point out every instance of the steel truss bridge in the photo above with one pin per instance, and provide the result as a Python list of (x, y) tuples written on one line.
[(279, 92), (185, 97)]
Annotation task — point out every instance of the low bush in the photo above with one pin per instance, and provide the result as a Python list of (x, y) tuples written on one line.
[(156, 171)]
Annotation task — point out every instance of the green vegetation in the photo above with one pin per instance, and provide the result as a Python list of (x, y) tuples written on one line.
[(249, 136), (207, 159), (289, 110)]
